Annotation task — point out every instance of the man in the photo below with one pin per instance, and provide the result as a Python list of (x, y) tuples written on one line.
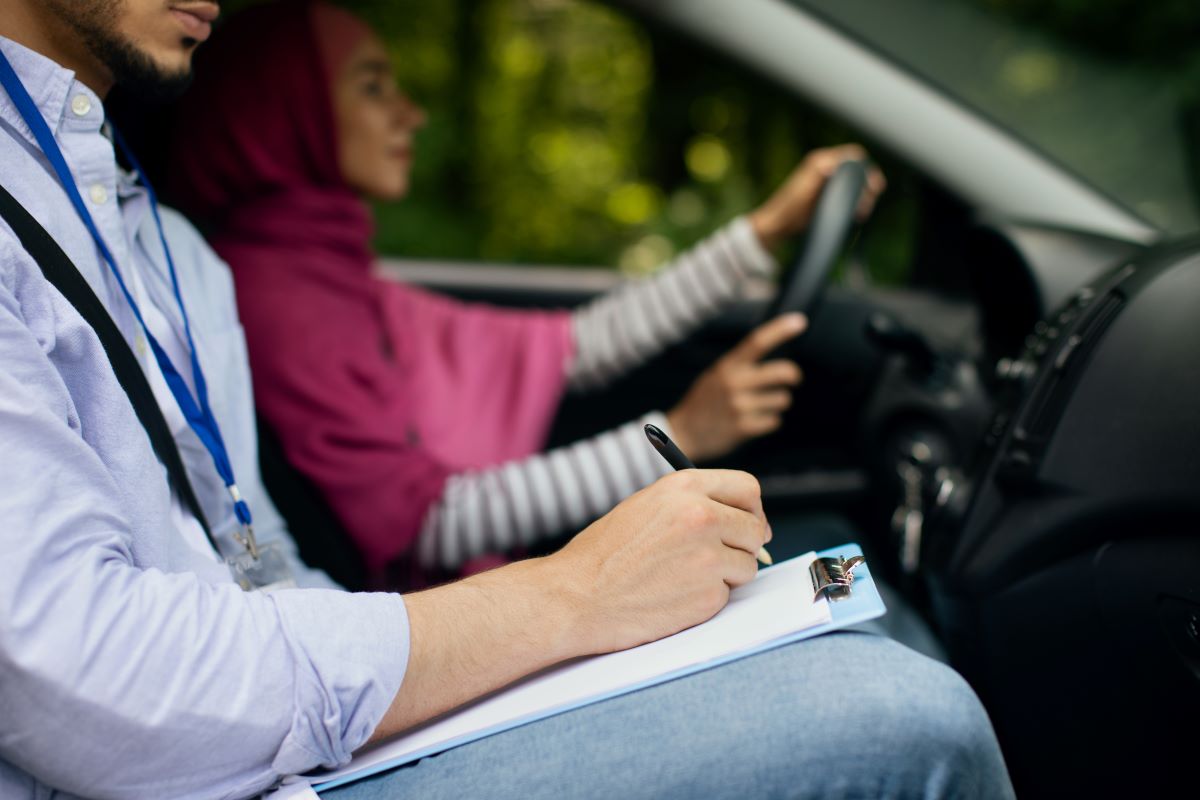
[(133, 665)]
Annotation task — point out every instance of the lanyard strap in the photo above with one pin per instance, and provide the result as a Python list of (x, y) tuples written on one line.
[(196, 410)]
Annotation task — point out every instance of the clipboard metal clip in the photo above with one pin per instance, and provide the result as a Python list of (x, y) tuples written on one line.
[(833, 577)]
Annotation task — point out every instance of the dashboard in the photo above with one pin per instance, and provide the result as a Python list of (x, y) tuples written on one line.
[(1061, 555)]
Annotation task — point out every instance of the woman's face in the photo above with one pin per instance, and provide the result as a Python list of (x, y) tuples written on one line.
[(375, 124)]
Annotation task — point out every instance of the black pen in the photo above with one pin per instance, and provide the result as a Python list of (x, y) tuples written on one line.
[(675, 457)]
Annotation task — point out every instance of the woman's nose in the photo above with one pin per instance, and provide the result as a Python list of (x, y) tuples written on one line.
[(411, 115)]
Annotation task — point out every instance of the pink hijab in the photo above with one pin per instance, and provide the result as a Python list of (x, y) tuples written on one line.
[(378, 391)]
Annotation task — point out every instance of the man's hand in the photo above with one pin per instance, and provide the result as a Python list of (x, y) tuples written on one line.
[(664, 559), (787, 212), (738, 398), (661, 561)]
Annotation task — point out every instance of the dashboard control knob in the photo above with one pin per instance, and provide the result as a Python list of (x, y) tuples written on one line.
[(889, 335), (1019, 370), (1016, 467)]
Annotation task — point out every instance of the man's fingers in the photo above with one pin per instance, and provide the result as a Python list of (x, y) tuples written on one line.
[(740, 567), (740, 530), (729, 487), (769, 335)]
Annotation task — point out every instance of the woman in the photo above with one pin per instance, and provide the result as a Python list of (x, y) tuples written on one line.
[(421, 418)]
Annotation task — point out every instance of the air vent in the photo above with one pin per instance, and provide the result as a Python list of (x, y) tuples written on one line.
[(1053, 390)]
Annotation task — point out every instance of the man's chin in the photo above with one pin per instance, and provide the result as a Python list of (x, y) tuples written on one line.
[(159, 87), (141, 75), (154, 74)]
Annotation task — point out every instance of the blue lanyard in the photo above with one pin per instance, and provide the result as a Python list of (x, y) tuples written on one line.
[(196, 410)]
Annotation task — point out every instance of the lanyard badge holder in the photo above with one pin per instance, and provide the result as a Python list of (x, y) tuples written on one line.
[(257, 566), (261, 567)]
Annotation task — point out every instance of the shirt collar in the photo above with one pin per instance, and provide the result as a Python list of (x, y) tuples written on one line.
[(51, 86), (54, 89)]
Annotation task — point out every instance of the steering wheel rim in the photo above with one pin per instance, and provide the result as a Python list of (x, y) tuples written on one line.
[(804, 284)]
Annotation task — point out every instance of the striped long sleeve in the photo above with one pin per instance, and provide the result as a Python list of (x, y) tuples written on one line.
[(548, 494), (515, 504), (629, 325)]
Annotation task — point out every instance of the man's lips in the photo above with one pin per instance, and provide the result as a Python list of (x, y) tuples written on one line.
[(196, 19)]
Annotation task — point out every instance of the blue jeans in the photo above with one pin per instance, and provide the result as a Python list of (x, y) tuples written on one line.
[(848, 714)]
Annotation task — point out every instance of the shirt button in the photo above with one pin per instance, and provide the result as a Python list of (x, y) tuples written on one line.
[(81, 105), (98, 194), (139, 344)]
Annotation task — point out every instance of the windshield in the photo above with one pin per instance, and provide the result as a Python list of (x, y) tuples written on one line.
[(1108, 88)]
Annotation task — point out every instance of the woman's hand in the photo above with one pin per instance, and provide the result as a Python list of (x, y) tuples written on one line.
[(787, 212), (738, 398)]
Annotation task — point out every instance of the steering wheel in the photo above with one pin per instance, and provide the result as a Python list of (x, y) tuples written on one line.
[(804, 284)]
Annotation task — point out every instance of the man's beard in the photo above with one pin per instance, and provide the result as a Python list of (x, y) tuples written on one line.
[(132, 69), (136, 73)]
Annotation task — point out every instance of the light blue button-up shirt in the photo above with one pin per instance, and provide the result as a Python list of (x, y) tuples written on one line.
[(130, 664)]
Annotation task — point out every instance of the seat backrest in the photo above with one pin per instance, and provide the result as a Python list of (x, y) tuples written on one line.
[(322, 540)]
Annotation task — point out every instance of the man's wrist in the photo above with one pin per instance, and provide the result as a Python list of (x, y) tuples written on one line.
[(557, 592)]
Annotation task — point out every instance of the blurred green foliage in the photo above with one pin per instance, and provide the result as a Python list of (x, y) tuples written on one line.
[(565, 132), (561, 131)]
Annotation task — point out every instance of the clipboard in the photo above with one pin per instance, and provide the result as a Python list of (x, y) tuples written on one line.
[(834, 586)]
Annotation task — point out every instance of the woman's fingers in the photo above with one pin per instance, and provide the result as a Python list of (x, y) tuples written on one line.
[(761, 424), (768, 336), (778, 372), (876, 183), (770, 402), (727, 403)]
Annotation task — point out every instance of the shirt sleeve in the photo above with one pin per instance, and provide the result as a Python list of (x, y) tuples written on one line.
[(118, 680), (626, 327)]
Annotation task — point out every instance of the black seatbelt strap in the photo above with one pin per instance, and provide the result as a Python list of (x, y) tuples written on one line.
[(65, 277)]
